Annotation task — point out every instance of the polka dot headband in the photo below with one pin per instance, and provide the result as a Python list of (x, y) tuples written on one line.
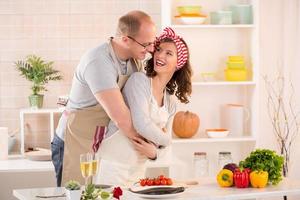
[(182, 52)]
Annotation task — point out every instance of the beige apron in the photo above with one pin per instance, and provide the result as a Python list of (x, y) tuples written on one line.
[(81, 126), (120, 162)]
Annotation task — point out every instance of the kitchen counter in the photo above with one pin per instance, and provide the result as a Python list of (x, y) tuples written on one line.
[(20, 164), (18, 172), (207, 190)]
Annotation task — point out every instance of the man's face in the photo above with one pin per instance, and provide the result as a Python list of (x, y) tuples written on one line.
[(143, 42)]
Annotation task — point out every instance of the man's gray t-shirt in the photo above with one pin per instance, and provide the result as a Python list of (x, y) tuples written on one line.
[(95, 72)]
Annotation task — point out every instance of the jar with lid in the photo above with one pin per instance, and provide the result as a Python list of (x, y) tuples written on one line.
[(224, 158), (200, 164)]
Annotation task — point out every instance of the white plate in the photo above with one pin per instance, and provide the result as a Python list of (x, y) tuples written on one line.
[(192, 20), (159, 196), (137, 187), (39, 154)]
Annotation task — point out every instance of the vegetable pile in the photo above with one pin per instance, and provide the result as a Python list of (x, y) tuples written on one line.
[(261, 167), (265, 160)]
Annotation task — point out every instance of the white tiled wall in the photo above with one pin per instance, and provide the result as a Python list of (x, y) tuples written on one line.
[(57, 30)]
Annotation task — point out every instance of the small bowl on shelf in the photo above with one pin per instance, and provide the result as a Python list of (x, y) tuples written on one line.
[(188, 10), (208, 76), (236, 65), (217, 132), (236, 58), (235, 74), (191, 20)]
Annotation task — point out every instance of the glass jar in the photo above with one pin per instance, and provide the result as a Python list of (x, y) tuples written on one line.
[(200, 164), (224, 158)]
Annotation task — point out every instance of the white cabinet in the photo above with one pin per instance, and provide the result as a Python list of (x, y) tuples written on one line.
[(210, 45)]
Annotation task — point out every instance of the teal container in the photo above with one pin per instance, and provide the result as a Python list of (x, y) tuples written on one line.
[(242, 14), (221, 17)]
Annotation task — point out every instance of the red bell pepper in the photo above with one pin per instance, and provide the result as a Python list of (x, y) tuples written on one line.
[(241, 178)]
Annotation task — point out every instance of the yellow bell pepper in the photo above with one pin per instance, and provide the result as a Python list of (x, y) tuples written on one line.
[(225, 178), (259, 179)]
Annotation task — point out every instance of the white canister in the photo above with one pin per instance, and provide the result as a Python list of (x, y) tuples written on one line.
[(233, 118), (3, 143)]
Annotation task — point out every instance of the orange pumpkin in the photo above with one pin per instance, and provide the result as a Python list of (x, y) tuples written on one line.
[(185, 124)]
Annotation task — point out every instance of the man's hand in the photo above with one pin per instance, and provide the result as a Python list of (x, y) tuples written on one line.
[(113, 103), (145, 148)]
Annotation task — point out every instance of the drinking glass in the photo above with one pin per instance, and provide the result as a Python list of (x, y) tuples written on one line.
[(86, 166), (95, 164)]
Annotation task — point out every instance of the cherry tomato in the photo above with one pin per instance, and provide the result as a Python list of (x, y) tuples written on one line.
[(157, 181), (163, 182), (149, 182), (142, 182), (161, 177), (169, 181)]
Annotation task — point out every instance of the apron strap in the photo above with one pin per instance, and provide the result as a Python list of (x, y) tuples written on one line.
[(98, 137)]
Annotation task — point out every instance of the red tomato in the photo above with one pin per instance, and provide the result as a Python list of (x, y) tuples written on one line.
[(142, 182), (157, 181), (169, 181), (149, 182), (163, 182), (161, 177)]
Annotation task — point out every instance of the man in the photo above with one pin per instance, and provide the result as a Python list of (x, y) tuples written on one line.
[(95, 96)]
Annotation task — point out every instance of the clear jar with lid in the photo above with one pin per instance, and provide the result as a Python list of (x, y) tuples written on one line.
[(200, 164), (224, 158)]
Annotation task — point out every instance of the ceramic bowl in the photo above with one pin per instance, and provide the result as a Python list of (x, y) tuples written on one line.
[(217, 133), (189, 10), (192, 20), (236, 58), (235, 74)]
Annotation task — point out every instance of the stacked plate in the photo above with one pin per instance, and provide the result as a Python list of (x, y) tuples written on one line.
[(236, 69), (190, 15)]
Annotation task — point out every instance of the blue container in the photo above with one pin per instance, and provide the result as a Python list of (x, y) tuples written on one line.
[(221, 17), (242, 14)]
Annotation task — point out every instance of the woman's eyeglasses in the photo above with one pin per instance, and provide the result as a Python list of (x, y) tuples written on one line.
[(145, 45)]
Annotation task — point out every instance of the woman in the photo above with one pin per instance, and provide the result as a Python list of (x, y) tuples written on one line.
[(148, 96)]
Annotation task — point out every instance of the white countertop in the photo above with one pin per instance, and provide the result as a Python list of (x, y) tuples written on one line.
[(19, 164), (207, 190)]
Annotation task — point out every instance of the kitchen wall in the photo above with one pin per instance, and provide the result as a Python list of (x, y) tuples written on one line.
[(280, 49), (57, 30), (62, 30)]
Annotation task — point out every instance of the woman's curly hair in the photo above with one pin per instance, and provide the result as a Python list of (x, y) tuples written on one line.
[(180, 83)]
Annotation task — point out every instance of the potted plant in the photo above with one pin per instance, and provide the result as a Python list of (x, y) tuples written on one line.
[(73, 191), (39, 72)]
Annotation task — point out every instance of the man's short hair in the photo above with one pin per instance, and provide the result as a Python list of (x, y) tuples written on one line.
[(130, 23)]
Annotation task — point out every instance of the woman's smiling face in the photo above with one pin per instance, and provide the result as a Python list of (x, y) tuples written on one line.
[(165, 58)]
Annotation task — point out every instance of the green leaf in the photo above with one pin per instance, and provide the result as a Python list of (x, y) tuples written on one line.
[(267, 160), (38, 71)]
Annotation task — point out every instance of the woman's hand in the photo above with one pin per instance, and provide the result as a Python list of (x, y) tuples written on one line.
[(145, 148)]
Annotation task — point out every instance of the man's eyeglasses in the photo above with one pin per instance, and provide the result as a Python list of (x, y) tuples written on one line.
[(145, 45)]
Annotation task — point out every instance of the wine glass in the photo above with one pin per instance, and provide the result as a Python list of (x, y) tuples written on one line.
[(86, 166), (95, 164)]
